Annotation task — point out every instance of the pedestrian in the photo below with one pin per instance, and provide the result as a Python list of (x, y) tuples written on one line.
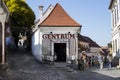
[(101, 61), (109, 58), (84, 60), (80, 64), (87, 61), (92, 60), (80, 61)]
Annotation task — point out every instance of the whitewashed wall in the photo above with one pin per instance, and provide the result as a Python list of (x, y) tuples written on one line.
[(116, 44), (41, 46), (36, 45), (95, 50)]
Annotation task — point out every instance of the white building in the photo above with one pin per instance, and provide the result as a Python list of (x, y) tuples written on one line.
[(115, 20), (55, 34)]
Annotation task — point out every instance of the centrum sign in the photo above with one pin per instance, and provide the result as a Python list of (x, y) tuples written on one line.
[(58, 36)]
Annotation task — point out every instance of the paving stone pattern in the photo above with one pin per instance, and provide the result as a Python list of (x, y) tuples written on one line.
[(23, 66)]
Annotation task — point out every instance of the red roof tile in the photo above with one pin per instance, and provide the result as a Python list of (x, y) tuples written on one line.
[(58, 17)]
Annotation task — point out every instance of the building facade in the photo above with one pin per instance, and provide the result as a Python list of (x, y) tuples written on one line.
[(90, 47), (115, 20), (54, 37)]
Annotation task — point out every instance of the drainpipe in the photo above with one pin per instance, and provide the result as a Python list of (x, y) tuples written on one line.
[(4, 14), (3, 42), (119, 50)]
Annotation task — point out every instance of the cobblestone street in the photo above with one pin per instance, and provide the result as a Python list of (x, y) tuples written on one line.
[(23, 66)]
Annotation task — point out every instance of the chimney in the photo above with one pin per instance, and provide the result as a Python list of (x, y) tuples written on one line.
[(41, 10)]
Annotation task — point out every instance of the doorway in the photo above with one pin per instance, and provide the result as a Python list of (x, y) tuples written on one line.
[(60, 52)]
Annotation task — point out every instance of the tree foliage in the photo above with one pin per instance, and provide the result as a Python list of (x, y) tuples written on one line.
[(110, 44), (21, 16)]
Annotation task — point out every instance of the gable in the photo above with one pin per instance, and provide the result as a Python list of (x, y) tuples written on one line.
[(59, 17)]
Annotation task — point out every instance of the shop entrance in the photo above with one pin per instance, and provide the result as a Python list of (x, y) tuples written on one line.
[(60, 52)]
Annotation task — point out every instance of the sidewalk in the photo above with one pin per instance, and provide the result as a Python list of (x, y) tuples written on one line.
[(113, 72), (92, 73)]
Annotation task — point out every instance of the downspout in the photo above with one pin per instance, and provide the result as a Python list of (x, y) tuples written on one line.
[(3, 42)]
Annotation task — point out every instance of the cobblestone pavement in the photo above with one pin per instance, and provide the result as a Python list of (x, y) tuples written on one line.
[(23, 66), (93, 73)]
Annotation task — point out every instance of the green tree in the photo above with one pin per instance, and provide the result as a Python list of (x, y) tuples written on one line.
[(110, 45), (21, 17)]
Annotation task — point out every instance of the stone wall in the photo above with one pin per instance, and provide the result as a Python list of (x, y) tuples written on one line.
[(46, 47), (72, 47)]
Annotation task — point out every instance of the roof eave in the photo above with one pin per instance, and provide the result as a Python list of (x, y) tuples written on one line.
[(59, 26), (110, 4)]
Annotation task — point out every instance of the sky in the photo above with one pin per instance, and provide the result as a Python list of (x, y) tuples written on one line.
[(93, 15)]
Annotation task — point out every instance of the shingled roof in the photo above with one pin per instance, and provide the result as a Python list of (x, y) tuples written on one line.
[(88, 40), (81, 38), (59, 17)]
